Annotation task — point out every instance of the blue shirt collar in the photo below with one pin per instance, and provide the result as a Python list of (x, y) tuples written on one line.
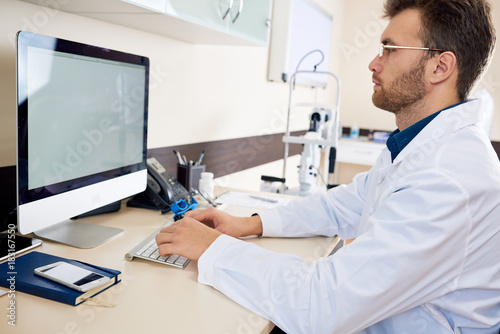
[(398, 140)]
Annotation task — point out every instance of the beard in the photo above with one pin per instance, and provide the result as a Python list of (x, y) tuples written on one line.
[(404, 92)]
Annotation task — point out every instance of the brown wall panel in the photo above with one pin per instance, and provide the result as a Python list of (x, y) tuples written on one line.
[(228, 156)]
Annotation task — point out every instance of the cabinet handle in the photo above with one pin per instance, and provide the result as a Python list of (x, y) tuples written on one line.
[(228, 10), (239, 11)]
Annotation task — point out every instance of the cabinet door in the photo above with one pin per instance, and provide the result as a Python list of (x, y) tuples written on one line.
[(207, 13), (253, 21), (245, 19)]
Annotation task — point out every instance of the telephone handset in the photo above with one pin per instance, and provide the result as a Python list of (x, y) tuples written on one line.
[(163, 189)]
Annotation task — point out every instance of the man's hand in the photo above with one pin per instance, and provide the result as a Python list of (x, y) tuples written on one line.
[(191, 236), (186, 237), (226, 223)]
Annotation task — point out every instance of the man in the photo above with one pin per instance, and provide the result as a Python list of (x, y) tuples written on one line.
[(426, 217)]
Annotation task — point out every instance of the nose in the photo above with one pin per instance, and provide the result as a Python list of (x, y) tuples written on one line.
[(375, 66)]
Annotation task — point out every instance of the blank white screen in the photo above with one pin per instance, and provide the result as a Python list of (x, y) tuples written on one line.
[(85, 115)]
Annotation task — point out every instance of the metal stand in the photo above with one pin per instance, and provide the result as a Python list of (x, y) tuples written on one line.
[(333, 128), (77, 234)]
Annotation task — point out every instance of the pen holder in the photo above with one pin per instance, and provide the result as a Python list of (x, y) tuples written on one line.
[(189, 175)]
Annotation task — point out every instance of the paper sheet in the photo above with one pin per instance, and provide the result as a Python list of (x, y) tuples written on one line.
[(258, 201)]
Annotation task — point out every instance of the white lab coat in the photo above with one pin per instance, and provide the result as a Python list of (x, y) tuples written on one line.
[(427, 254)]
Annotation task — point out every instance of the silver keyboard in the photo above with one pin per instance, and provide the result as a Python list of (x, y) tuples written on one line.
[(148, 250)]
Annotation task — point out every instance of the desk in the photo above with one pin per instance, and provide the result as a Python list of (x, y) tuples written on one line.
[(152, 298)]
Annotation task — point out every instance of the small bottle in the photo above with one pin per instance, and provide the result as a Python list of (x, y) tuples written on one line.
[(206, 184), (355, 131)]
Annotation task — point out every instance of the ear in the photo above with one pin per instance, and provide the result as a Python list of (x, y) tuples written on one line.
[(444, 65)]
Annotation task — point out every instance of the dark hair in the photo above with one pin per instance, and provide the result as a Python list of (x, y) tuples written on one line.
[(463, 27)]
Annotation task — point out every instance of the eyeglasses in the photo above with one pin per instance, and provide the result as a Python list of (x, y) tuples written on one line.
[(383, 46)]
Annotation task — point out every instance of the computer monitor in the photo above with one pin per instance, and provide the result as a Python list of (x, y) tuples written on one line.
[(82, 127)]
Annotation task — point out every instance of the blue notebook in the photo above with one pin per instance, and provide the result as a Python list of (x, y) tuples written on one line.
[(21, 273)]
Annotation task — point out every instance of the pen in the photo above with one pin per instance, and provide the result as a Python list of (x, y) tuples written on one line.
[(264, 199), (185, 160), (200, 158), (178, 155)]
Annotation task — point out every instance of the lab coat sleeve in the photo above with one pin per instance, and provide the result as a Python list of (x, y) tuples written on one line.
[(335, 213), (412, 252)]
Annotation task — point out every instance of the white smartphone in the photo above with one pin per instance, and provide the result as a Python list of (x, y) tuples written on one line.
[(72, 276)]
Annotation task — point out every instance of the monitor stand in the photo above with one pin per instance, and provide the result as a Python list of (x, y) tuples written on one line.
[(80, 235)]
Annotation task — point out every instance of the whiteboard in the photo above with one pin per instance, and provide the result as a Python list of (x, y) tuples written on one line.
[(299, 27)]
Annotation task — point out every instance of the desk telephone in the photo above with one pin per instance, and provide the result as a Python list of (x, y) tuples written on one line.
[(162, 189)]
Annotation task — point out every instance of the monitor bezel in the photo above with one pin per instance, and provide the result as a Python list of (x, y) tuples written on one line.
[(28, 39)]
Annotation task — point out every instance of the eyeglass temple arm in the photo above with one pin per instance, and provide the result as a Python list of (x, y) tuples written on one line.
[(409, 47)]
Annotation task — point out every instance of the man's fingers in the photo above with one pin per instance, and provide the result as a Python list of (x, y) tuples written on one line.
[(164, 237), (170, 228), (164, 240), (200, 215), (188, 238), (205, 216), (166, 249)]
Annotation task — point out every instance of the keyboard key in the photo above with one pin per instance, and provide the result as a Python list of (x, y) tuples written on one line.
[(172, 258), (150, 251), (155, 254), (181, 261)]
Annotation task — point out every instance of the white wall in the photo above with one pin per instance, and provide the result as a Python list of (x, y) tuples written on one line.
[(360, 26), (211, 92), (359, 44), (198, 92)]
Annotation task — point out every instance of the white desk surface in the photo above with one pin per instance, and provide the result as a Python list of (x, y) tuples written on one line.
[(151, 298)]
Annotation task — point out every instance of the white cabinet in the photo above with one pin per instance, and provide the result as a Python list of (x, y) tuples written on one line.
[(194, 21), (355, 156), (245, 19), (254, 21)]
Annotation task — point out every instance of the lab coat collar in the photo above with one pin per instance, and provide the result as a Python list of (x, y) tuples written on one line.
[(399, 139), (448, 121)]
